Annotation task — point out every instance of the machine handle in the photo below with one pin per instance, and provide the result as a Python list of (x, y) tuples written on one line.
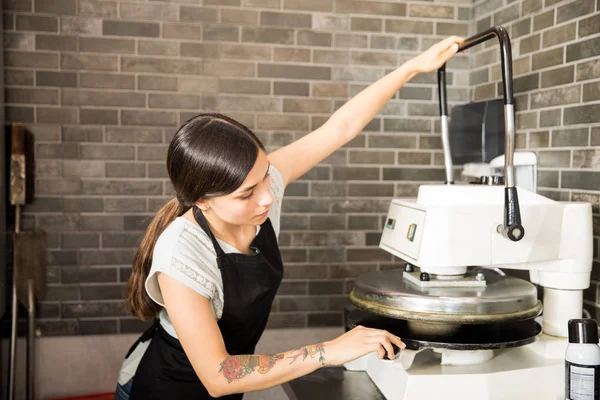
[(513, 229)]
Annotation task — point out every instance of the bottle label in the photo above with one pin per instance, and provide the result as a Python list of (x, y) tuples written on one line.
[(582, 382)]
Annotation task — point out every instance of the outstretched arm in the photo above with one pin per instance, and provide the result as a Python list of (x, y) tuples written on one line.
[(348, 121)]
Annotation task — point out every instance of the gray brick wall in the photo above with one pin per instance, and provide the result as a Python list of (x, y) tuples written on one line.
[(104, 85), (556, 53)]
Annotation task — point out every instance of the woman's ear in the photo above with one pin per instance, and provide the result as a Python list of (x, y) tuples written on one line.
[(203, 204)]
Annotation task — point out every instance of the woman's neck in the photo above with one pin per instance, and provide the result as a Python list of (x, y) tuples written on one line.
[(239, 236)]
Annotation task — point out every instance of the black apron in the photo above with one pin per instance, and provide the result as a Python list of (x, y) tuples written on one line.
[(249, 286)]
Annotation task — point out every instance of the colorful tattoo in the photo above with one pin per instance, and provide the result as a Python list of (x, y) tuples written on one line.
[(310, 351), (237, 367)]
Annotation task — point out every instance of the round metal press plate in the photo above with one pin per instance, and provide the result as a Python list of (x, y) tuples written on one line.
[(450, 336), (504, 298)]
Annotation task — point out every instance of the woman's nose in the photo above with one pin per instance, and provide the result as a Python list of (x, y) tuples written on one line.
[(266, 198)]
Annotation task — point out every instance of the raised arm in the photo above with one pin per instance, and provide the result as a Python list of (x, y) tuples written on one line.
[(349, 120), (224, 374)]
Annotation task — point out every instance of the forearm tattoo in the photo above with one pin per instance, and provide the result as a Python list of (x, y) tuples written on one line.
[(310, 351), (237, 367)]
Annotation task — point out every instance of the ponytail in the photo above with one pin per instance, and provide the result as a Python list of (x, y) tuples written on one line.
[(140, 304)]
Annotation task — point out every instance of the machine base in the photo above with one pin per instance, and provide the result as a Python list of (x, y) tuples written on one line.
[(532, 372)]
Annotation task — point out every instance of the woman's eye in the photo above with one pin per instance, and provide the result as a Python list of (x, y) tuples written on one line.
[(247, 197)]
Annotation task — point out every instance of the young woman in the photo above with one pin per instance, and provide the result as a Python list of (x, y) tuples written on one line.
[(209, 265)]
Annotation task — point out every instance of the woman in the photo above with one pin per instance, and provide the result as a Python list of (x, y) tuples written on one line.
[(209, 264)]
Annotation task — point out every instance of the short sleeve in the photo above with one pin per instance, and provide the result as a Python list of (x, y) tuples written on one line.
[(277, 189), (173, 257)]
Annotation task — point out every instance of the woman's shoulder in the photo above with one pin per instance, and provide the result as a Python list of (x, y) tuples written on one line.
[(185, 241)]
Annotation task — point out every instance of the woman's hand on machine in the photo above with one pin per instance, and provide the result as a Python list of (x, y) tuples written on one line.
[(361, 341), (434, 57)]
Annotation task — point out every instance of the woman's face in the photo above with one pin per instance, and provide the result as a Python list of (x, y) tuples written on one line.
[(250, 203)]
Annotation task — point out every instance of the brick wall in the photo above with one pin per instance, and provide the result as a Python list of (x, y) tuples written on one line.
[(556, 66), (104, 85)]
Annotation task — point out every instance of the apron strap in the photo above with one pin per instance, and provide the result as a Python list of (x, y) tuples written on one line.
[(201, 220), (147, 335)]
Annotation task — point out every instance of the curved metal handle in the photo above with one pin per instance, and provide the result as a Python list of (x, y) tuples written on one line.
[(513, 229)]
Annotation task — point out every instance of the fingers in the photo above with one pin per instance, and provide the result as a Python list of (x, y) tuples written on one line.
[(392, 338)]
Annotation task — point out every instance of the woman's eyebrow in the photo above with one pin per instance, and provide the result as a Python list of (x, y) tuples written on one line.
[(252, 187)]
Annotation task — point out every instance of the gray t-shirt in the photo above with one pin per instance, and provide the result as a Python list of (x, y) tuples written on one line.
[(185, 252)]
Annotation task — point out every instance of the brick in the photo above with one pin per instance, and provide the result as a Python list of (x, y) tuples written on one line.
[(106, 81), (75, 25), (55, 42), (56, 115), (368, 254), (122, 170), (313, 106), (308, 5), (57, 151), (559, 76), (310, 38), (220, 33), (351, 40), (426, 11), (591, 91), (521, 28), (406, 125), (366, 24), (152, 153), (360, 206), (98, 116), (530, 6), (157, 48), (36, 23), (588, 70), (122, 205), (282, 122), (355, 173), (50, 78), (19, 114), (360, 222), (129, 188), (181, 31), (159, 65), (370, 189), (83, 169), (239, 17), (586, 159), (23, 78), (80, 133), (226, 68), (582, 180), (79, 97), (291, 54), (252, 86), (371, 7), (105, 45), (539, 139), (589, 26), (325, 319), (292, 88), (89, 62), (157, 82), (197, 14), (133, 135), (159, 12), (79, 240), (414, 158), (35, 96), (107, 152), (58, 186), (487, 7), (583, 49), (570, 137), (190, 49), (392, 141), (159, 118), (18, 5), (60, 7), (293, 71), (121, 28), (200, 84), (19, 41), (268, 35), (584, 114), (530, 44), (561, 158), (544, 20), (325, 255), (188, 101), (105, 291), (553, 97), (246, 52), (451, 28), (560, 34), (421, 174), (356, 74), (331, 56), (98, 8), (372, 58), (330, 90), (408, 26), (547, 58), (372, 157), (574, 9), (285, 19)]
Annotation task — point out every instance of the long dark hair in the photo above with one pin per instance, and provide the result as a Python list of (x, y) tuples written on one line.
[(210, 155)]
